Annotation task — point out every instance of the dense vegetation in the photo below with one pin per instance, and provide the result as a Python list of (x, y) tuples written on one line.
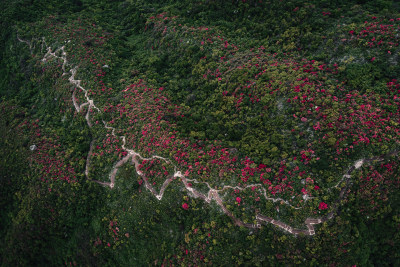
[(279, 98)]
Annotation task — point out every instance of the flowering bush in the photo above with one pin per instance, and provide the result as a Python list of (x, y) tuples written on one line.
[(322, 206)]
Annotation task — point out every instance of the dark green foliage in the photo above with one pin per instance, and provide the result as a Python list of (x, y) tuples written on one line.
[(48, 219)]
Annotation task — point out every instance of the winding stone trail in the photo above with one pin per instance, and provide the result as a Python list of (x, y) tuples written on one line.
[(133, 157)]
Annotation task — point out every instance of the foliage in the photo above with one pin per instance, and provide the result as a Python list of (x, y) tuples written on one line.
[(277, 99)]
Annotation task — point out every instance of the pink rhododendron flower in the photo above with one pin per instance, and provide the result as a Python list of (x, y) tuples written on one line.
[(322, 206)]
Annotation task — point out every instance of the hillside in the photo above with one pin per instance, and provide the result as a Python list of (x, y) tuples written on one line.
[(193, 133)]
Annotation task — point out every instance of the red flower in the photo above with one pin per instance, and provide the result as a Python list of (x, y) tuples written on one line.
[(185, 206), (317, 126), (322, 206), (238, 200)]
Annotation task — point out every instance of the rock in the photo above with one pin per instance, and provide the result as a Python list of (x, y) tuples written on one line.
[(33, 147)]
